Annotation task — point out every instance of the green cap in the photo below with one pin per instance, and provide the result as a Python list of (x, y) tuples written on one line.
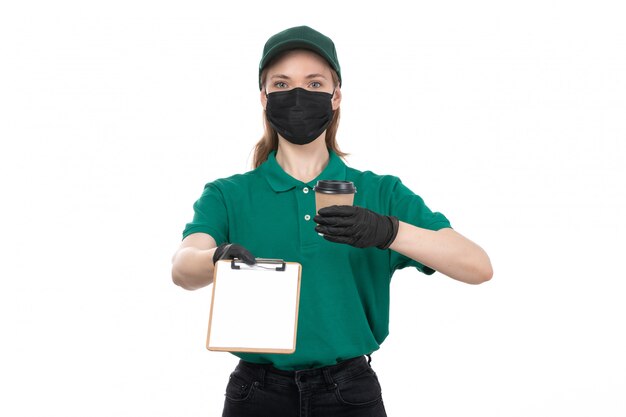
[(300, 37)]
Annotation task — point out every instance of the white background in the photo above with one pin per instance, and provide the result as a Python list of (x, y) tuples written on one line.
[(508, 117)]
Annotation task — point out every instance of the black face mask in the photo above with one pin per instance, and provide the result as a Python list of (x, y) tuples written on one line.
[(299, 115)]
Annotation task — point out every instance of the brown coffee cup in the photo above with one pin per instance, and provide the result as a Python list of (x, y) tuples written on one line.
[(333, 192)]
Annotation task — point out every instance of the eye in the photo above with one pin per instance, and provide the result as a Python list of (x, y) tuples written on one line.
[(280, 84), (315, 84)]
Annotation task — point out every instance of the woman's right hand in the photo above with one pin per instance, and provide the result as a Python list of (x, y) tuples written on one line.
[(232, 251), (194, 262)]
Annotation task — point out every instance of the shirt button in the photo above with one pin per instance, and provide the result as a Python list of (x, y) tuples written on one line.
[(305, 190), (307, 217)]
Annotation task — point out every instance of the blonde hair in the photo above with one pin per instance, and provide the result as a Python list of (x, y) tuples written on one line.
[(269, 140)]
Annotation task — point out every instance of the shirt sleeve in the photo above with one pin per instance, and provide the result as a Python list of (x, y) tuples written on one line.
[(210, 215), (410, 208)]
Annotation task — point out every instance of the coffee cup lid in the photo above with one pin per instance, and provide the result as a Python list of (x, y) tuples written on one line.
[(335, 187)]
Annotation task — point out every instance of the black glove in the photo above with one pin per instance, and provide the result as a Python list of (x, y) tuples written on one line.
[(232, 251), (356, 226)]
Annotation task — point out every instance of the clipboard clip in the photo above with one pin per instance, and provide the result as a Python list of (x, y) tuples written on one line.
[(282, 264)]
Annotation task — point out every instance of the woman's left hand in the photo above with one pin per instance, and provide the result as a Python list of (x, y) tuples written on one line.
[(356, 226)]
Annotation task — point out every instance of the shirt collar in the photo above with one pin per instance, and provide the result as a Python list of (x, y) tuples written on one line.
[(280, 181)]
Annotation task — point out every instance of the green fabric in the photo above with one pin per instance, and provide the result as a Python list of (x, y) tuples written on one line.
[(344, 295), (300, 37)]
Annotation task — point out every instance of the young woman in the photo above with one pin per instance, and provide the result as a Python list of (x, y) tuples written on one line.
[(348, 253)]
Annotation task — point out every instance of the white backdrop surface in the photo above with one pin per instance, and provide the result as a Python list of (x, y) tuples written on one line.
[(507, 117)]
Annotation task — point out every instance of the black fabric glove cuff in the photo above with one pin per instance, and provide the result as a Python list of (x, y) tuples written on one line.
[(220, 250), (393, 232)]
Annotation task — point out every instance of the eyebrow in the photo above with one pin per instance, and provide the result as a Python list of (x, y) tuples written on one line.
[(308, 77)]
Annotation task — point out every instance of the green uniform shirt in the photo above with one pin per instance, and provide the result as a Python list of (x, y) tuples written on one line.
[(344, 294)]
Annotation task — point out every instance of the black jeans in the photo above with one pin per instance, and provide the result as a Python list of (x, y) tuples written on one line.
[(348, 389)]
